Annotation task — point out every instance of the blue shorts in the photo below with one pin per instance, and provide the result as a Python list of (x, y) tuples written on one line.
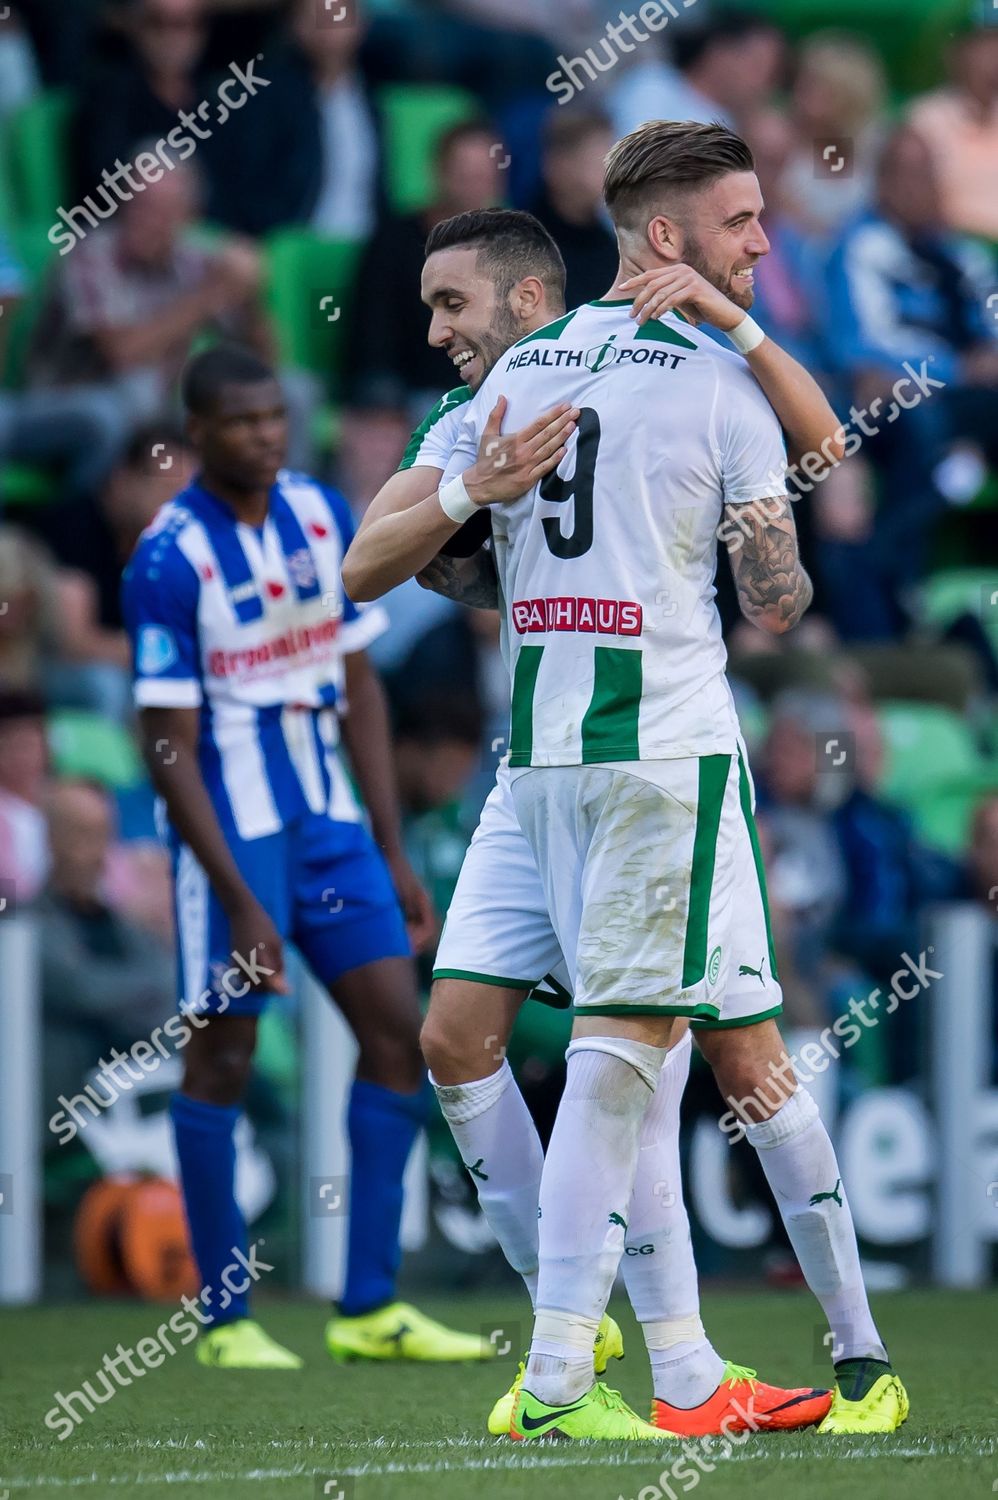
[(326, 888)]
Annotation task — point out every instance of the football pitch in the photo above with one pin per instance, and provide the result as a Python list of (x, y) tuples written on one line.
[(402, 1432)]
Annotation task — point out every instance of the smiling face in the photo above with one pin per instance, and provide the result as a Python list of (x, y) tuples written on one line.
[(718, 232), (470, 321)]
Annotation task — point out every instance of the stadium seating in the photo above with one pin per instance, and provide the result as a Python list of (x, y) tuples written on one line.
[(934, 769), (37, 146), (957, 591), (414, 118), (85, 744), (309, 285)]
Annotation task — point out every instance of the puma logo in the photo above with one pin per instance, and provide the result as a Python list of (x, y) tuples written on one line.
[(824, 1197), (748, 969), (616, 1219)]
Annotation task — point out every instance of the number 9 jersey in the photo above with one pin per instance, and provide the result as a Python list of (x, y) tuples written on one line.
[(606, 567)]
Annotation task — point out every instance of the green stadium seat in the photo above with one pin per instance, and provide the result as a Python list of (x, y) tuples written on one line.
[(933, 768), (415, 116), (87, 745), (958, 591), (38, 148), (8, 211), (310, 284), (23, 484)]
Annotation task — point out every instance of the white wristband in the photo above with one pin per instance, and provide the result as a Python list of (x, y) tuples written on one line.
[(746, 336), (455, 501)]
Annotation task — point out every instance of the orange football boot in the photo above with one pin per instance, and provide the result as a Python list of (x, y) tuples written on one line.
[(742, 1403)]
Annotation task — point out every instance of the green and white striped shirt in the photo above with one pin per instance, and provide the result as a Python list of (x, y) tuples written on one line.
[(606, 567)]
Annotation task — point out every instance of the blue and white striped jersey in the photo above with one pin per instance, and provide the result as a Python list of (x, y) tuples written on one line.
[(251, 626)]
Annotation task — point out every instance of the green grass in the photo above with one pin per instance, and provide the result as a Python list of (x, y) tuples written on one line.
[(408, 1432)]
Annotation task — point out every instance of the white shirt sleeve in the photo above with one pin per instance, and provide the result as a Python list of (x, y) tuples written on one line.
[(751, 449), (465, 449)]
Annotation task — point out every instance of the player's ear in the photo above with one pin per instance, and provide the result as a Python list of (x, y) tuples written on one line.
[(665, 238), (526, 298)]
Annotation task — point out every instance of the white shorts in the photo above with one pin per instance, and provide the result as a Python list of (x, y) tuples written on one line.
[(498, 930)]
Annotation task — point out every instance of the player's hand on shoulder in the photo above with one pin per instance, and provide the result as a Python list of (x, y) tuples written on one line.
[(509, 465), (669, 287), (256, 940)]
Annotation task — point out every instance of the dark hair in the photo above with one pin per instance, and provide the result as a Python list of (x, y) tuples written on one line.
[(20, 703), (664, 156), (225, 364), (435, 716), (465, 130), (165, 430), (725, 27), (565, 129), (511, 244)]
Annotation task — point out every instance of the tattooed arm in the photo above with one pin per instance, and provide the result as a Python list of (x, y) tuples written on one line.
[(470, 580), (773, 587)]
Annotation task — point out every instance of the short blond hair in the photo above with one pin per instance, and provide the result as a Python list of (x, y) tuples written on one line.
[(664, 157)]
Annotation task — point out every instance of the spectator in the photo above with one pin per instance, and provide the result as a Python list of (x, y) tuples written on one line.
[(838, 98), (785, 279), (805, 868), (40, 648), (346, 147), (138, 96), (93, 540), (312, 136), (959, 125), (482, 46), (891, 876), (76, 432), (392, 364), (571, 202), (806, 874), (31, 628), (104, 983), (24, 858), (124, 308), (904, 291), (724, 69)]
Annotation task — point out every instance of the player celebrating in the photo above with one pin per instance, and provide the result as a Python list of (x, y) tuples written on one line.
[(491, 278), (246, 651), (794, 1143)]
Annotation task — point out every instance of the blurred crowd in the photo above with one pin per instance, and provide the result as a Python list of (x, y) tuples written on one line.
[(882, 213)]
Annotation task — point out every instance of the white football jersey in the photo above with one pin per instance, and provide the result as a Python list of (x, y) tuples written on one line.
[(606, 568)]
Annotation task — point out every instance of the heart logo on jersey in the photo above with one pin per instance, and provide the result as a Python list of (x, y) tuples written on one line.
[(274, 590), (317, 530), (207, 573)]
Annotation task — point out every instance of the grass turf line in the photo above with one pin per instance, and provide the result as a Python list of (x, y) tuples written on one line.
[(402, 1432)]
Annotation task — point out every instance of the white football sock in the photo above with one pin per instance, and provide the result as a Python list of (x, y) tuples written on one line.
[(495, 1134), (800, 1165), (658, 1266), (585, 1195)]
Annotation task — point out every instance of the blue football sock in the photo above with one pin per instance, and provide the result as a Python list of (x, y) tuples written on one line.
[(207, 1154), (382, 1127)]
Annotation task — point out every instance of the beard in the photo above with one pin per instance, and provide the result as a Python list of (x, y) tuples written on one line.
[(501, 334), (741, 296)]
